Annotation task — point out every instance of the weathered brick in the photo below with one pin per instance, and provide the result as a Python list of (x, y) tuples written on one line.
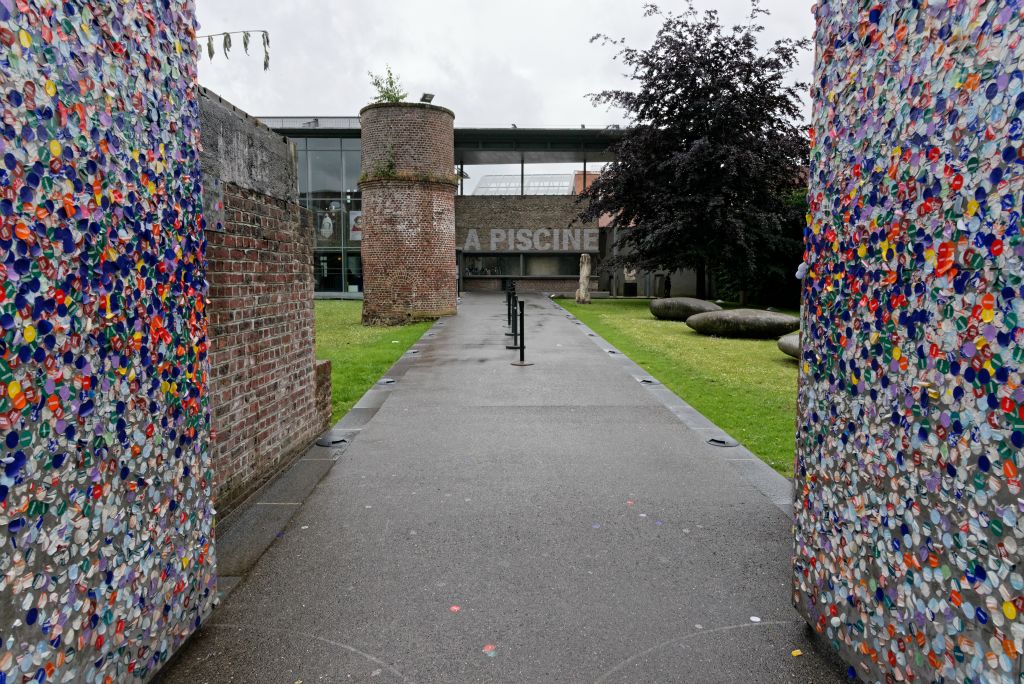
[(270, 398), (408, 201)]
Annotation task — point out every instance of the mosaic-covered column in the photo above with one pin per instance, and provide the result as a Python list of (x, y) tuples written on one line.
[(909, 515), (107, 563)]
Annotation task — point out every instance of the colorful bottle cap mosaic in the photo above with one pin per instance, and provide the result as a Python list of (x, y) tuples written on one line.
[(105, 490), (911, 410)]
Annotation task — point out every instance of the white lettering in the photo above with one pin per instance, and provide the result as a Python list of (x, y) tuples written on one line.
[(535, 240), (572, 240), (538, 244), (497, 237), (524, 240)]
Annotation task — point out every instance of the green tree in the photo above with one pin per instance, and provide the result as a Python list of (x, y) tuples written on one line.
[(705, 173), (387, 86)]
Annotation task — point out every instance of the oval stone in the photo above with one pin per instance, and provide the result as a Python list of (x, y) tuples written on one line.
[(748, 323), (680, 308), (790, 345)]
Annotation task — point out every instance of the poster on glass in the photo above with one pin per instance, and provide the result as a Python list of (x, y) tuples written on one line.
[(355, 232)]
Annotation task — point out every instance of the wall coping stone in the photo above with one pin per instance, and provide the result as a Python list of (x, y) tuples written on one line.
[(407, 105)]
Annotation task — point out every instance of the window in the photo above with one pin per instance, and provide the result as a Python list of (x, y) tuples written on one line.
[(351, 163), (492, 265), (330, 271), (329, 224), (552, 265), (354, 272), (323, 143), (325, 174)]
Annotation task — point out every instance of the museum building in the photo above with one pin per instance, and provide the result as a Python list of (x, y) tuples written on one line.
[(512, 228)]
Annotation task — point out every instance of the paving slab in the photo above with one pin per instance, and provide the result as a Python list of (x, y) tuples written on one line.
[(556, 523)]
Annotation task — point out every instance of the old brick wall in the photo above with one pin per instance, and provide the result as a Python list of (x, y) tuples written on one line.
[(268, 395), (323, 392), (485, 212), (409, 268), (408, 189), (416, 138)]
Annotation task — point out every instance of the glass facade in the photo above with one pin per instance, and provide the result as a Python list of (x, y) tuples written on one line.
[(328, 175), (329, 187), (492, 265), (537, 265)]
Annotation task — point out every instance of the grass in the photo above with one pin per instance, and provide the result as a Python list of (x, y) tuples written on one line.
[(746, 387), (359, 355)]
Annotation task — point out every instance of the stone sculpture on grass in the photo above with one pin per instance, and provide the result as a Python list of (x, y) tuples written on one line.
[(583, 293), (790, 345), (744, 323), (680, 308)]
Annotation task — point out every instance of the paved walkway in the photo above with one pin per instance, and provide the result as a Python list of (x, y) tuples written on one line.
[(555, 523)]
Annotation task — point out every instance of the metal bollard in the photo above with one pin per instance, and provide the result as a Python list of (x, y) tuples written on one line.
[(508, 307), (516, 332), (522, 337)]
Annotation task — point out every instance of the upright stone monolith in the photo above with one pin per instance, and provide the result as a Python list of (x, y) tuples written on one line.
[(583, 292)]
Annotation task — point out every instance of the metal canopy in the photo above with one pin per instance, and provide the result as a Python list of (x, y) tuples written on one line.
[(534, 145), (480, 145)]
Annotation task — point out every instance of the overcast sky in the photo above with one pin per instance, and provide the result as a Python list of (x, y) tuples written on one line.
[(493, 62)]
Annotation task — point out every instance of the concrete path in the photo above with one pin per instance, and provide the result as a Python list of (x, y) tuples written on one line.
[(555, 523)]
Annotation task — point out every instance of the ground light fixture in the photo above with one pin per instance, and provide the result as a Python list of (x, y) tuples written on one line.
[(427, 98)]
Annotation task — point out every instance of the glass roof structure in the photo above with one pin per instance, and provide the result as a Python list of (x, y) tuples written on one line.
[(536, 184), (311, 122), (481, 145)]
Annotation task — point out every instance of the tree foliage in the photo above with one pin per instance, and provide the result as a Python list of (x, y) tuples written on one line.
[(705, 174), (388, 88)]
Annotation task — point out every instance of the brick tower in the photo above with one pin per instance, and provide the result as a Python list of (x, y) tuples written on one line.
[(408, 186)]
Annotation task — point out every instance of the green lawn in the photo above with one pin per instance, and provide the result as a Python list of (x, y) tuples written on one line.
[(746, 387), (359, 355)]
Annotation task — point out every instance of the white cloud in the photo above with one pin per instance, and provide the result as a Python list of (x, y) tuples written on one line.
[(493, 62)]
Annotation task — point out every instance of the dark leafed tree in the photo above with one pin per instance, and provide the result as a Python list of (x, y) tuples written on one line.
[(705, 174)]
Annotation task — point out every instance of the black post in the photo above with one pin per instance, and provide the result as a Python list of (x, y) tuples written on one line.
[(522, 337), (522, 332), (516, 332), (508, 311)]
